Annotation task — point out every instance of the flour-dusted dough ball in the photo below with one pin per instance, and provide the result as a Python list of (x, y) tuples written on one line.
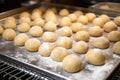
[(90, 16), (101, 43), (98, 22), (38, 22), (73, 17), (1, 30), (49, 37), (23, 27), (96, 31), (50, 26), (83, 19), (80, 47), (9, 34), (36, 31), (65, 21), (116, 48), (95, 57), (24, 20), (110, 26), (20, 39), (35, 15), (72, 63), (81, 36), (32, 44), (25, 14), (77, 27), (114, 36), (59, 53), (64, 12), (117, 20), (65, 31), (64, 42), (78, 13), (105, 18), (46, 48)]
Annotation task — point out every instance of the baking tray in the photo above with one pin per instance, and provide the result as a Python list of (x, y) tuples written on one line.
[(9, 50)]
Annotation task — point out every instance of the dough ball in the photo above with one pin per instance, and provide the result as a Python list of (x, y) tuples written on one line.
[(20, 39), (72, 63), (1, 30), (73, 17), (116, 48), (78, 13), (25, 14), (114, 36), (77, 27), (38, 22), (50, 26), (23, 27), (64, 42), (35, 15), (110, 26), (95, 31), (59, 53), (54, 10), (32, 44), (24, 20), (101, 42), (49, 37), (65, 31), (45, 49), (64, 12), (80, 47), (9, 34), (83, 19), (36, 10), (105, 18), (90, 16), (117, 20), (81, 36), (36, 31), (98, 22), (65, 21), (95, 57)]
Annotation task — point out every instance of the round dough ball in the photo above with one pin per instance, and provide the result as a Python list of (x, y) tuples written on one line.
[(78, 13), (117, 20), (64, 42), (77, 27), (20, 39), (95, 57), (65, 31), (9, 34), (59, 53), (25, 14), (110, 26), (81, 36), (1, 30), (35, 15), (65, 21), (36, 10), (23, 27), (49, 37), (24, 20), (114, 36), (98, 22), (50, 26), (36, 31), (105, 18), (72, 63), (116, 48), (32, 44), (64, 12), (38, 22), (73, 17), (80, 47), (45, 49), (90, 16), (83, 19), (95, 31), (101, 43)]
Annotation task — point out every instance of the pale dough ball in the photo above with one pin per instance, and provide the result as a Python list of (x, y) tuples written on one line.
[(78, 13), (73, 17), (37, 10), (59, 53), (1, 30), (95, 31), (72, 63), (24, 20), (38, 22), (83, 19), (110, 26), (23, 27), (98, 22), (45, 49), (117, 20), (81, 36), (9, 34), (64, 12), (20, 39), (64, 42), (50, 26), (49, 37), (114, 36), (25, 14), (65, 21), (32, 44), (101, 42), (95, 57), (90, 16), (65, 31), (77, 27), (36, 31), (116, 48), (105, 18), (80, 47), (35, 15)]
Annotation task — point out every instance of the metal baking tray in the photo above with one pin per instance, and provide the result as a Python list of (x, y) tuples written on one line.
[(19, 56)]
